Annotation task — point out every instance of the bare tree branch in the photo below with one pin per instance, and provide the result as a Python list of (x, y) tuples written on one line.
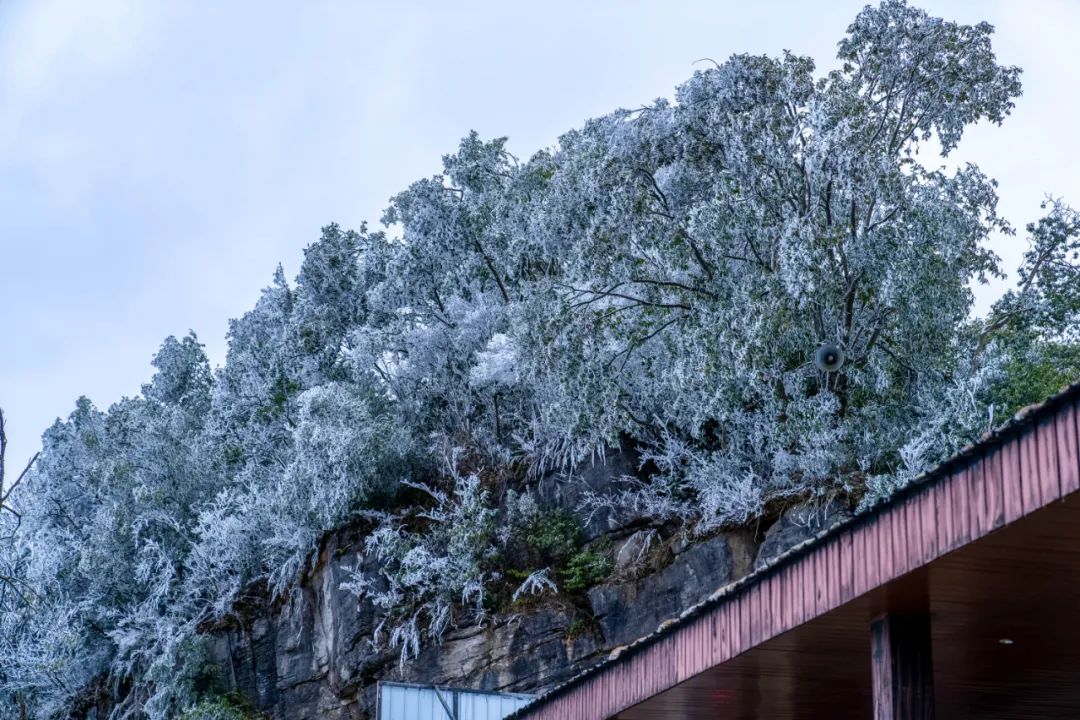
[(5, 490)]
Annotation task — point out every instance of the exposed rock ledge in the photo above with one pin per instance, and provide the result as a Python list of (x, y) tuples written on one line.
[(309, 656)]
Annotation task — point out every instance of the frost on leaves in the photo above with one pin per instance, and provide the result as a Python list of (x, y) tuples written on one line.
[(661, 279)]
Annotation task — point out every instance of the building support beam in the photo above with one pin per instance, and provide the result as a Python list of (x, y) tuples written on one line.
[(903, 673)]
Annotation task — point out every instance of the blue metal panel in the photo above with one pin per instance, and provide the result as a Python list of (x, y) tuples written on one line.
[(488, 706), (404, 702), (398, 701)]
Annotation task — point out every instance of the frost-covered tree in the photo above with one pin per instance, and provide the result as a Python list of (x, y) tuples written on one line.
[(666, 274), (306, 438), (104, 530), (12, 590), (661, 278), (1033, 332), (15, 592), (331, 301), (254, 398), (429, 578)]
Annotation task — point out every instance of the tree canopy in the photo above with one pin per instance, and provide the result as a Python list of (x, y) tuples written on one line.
[(660, 279)]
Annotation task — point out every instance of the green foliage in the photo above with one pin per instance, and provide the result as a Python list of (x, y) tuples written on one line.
[(578, 627), (553, 540), (281, 392), (551, 537), (587, 568), (1030, 378), (225, 707)]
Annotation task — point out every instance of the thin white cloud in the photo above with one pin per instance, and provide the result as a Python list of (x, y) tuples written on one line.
[(56, 46)]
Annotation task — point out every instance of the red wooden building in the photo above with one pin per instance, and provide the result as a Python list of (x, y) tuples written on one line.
[(957, 598)]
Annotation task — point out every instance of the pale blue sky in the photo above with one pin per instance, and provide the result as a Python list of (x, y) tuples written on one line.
[(157, 160)]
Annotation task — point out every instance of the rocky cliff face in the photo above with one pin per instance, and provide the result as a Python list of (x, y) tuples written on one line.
[(309, 655)]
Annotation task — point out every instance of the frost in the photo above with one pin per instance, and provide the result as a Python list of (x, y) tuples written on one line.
[(537, 583), (431, 580), (496, 363), (658, 281)]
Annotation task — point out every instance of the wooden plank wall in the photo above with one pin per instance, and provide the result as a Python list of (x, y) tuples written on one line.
[(1003, 480), (903, 672)]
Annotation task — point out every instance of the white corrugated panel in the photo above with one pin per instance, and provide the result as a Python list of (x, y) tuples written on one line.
[(406, 702), (488, 706), (412, 702)]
